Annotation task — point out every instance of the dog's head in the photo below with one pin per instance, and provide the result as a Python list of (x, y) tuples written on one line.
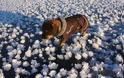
[(50, 28)]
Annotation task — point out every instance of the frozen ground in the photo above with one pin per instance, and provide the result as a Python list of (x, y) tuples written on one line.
[(23, 53)]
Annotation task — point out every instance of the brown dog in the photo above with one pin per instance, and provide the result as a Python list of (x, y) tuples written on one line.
[(64, 27)]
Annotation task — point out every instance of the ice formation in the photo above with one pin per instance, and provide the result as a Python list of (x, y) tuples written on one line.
[(24, 53)]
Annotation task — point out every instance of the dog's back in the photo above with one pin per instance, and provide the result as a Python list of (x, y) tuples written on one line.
[(77, 23)]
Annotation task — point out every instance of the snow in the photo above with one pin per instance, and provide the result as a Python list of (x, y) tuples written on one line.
[(23, 52)]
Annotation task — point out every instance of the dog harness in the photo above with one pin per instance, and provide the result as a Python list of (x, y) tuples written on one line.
[(62, 28)]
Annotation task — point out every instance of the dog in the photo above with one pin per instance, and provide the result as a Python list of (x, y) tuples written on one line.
[(64, 27)]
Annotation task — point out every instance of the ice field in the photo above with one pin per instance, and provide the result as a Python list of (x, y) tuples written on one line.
[(23, 53)]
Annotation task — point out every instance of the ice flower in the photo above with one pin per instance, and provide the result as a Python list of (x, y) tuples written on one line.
[(63, 72), (52, 73), (69, 54), (78, 56), (85, 55), (60, 56), (17, 76), (28, 53), (90, 53), (1, 74), (15, 63), (36, 44), (38, 76), (78, 66), (25, 64), (33, 70), (119, 58), (7, 67), (53, 65)]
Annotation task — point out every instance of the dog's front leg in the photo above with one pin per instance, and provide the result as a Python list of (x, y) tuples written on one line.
[(83, 33), (63, 40)]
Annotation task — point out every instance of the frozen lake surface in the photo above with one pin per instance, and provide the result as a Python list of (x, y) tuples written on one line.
[(23, 53)]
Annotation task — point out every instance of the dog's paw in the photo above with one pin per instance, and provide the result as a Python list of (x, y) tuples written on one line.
[(62, 44)]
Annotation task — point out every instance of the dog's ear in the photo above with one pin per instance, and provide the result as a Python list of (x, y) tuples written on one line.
[(55, 25)]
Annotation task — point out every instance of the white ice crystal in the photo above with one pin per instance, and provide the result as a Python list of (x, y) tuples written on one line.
[(35, 52), (7, 67), (40, 33), (51, 57), (36, 44), (78, 66), (78, 56), (52, 73), (44, 71), (73, 75), (58, 75), (34, 70), (69, 54), (22, 41), (95, 45), (25, 72), (26, 35), (28, 53), (1, 74), (38, 76), (119, 58), (18, 57), (18, 70), (118, 47), (63, 72), (34, 63), (15, 63), (117, 69), (53, 65), (60, 57), (17, 76), (52, 49), (31, 35), (9, 48), (47, 49), (22, 37), (11, 54), (84, 54), (83, 74), (14, 35), (85, 66), (25, 64), (95, 68), (90, 53)]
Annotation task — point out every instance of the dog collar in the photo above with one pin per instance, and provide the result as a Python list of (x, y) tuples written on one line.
[(62, 28)]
